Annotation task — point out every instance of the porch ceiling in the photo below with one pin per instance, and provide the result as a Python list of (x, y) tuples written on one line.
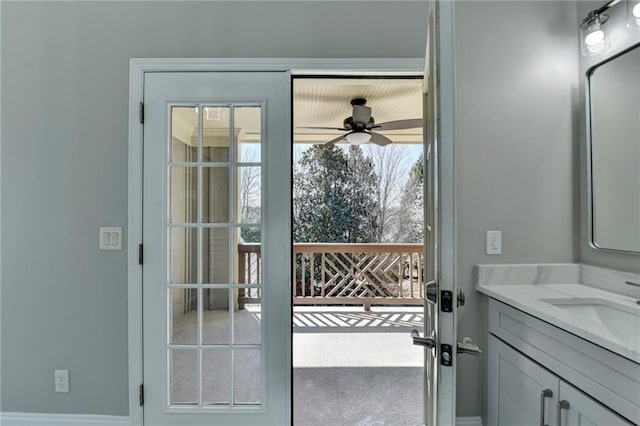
[(326, 102)]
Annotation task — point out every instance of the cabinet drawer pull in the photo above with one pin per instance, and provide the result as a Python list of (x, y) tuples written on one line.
[(562, 405), (547, 393)]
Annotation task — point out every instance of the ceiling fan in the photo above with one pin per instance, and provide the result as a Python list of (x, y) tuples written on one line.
[(360, 126)]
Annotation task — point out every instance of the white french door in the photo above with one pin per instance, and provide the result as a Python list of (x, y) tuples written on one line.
[(216, 341), (431, 233)]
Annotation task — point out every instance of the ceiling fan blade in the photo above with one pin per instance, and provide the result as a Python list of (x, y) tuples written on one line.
[(411, 123), (322, 128), (361, 114), (338, 139), (379, 139)]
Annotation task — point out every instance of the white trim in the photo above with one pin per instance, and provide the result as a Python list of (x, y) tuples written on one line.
[(469, 421), (134, 237), (38, 419), (137, 68), (35, 419), (447, 202), (297, 66)]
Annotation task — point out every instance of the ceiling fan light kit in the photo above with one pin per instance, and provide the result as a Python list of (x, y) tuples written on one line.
[(360, 125), (358, 138)]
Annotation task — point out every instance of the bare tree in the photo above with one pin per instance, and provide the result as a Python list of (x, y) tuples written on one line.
[(249, 196), (391, 164)]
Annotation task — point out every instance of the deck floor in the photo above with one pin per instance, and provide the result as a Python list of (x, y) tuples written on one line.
[(350, 366), (361, 396), (353, 367)]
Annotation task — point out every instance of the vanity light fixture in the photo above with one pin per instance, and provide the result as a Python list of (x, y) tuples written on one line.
[(594, 40), (633, 14), (592, 34)]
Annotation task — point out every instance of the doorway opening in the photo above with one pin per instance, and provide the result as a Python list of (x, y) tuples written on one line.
[(358, 218)]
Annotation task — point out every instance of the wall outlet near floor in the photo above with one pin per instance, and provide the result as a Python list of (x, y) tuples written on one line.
[(62, 380), (494, 242)]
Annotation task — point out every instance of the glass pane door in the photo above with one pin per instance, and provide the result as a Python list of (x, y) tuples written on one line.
[(216, 322)]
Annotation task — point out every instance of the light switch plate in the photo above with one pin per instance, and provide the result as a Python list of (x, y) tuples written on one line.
[(110, 238)]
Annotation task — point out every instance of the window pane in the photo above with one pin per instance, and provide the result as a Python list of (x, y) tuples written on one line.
[(249, 194), (247, 317), (215, 316), (184, 316), (184, 376), (249, 255), (215, 255), (183, 255), (184, 134), (184, 195), (215, 194), (247, 376), (216, 135), (216, 376), (248, 121)]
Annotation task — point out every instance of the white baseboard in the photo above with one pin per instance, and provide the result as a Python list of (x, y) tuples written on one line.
[(37, 419), (469, 421)]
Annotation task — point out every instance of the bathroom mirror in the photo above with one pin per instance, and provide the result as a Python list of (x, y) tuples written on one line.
[(614, 152)]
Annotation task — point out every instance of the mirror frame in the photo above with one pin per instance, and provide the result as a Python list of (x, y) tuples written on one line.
[(590, 206)]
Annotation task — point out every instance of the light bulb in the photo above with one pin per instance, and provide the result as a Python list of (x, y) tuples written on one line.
[(633, 14), (594, 38)]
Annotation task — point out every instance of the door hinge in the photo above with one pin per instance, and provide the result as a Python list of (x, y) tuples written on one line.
[(141, 113), (141, 394), (139, 254)]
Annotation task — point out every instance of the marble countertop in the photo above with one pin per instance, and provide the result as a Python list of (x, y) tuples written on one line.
[(531, 291)]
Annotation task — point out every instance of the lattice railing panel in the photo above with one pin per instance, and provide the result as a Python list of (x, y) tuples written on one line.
[(387, 274)]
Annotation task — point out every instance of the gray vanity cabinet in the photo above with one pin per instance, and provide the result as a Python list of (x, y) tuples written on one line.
[(517, 387), (522, 393)]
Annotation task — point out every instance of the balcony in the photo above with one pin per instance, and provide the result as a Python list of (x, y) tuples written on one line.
[(352, 365)]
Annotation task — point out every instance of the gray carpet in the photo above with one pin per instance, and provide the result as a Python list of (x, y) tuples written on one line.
[(365, 396)]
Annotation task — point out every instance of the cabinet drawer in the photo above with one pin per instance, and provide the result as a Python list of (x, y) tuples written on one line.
[(603, 375)]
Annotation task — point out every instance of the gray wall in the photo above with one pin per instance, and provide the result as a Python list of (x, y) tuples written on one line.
[(620, 39), (516, 148), (64, 162)]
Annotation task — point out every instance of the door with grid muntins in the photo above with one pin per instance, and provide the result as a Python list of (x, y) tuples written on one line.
[(216, 311)]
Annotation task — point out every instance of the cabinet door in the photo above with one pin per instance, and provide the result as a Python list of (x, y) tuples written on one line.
[(584, 411), (516, 386)]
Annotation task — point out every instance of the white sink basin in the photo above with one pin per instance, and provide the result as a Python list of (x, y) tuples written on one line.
[(620, 320)]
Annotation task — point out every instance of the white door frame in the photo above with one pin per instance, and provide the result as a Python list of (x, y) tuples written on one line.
[(351, 66)]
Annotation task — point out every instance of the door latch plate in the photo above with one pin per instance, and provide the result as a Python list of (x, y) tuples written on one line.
[(446, 301), (446, 355)]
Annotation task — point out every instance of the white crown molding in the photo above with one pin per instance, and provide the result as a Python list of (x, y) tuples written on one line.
[(38, 419)]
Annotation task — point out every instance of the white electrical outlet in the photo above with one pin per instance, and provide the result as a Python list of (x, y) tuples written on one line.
[(494, 242), (62, 380)]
